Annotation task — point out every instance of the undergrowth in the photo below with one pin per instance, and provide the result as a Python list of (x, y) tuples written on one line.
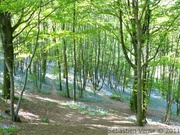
[(1, 116), (115, 97), (85, 109), (45, 120), (8, 130)]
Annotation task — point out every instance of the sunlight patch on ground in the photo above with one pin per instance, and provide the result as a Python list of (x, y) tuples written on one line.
[(39, 123), (132, 117), (113, 117), (80, 118), (25, 95), (28, 115), (47, 99), (50, 76), (96, 126), (122, 122), (161, 125), (51, 101), (69, 115)]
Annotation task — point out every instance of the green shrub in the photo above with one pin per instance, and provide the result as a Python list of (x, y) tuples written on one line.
[(9, 130), (45, 120), (115, 97), (63, 93), (45, 92), (131, 104), (23, 99), (1, 116)]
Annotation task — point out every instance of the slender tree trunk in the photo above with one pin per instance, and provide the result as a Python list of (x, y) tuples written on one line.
[(84, 66), (40, 75), (28, 66), (44, 65), (177, 99), (35, 78), (60, 80), (80, 68), (169, 93), (168, 101), (74, 43), (66, 69), (144, 89), (65, 64)]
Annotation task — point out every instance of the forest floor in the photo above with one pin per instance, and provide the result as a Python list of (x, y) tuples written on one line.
[(50, 114)]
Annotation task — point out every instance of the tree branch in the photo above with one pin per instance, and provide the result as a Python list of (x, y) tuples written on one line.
[(21, 22), (143, 10), (157, 50), (122, 41)]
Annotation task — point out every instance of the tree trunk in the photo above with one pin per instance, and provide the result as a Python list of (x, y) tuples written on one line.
[(168, 96), (139, 69), (60, 80), (44, 65), (144, 89), (6, 83), (133, 101), (65, 64), (74, 43), (7, 43), (177, 99), (35, 78)]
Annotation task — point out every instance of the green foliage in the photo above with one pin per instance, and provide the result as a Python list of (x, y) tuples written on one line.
[(45, 120), (45, 92), (1, 116), (175, 117), (50, 102), (9, 130), (115, 97), (1, 86), (31, 78), (23, 99), (63, 93), (131, 105)]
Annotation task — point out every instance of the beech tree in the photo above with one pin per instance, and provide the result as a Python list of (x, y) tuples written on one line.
[(24, 13)]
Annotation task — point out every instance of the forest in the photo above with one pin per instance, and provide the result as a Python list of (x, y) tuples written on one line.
[(81, 66)]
